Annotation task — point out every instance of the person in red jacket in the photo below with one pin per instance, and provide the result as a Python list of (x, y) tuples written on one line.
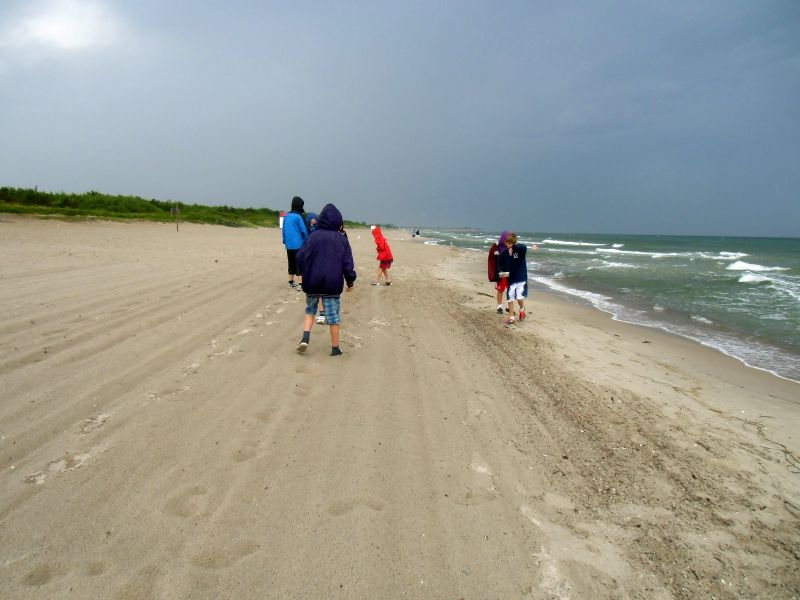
[(385, 257)]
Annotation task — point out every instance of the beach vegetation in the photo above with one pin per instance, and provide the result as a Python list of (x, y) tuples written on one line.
[(93, 204)]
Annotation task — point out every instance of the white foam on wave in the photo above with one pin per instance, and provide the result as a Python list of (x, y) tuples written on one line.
[(615, 265), (732, 255), (753, 278), (617, 245), (568, 243), (700, 319), (571, 251), (743, 266)]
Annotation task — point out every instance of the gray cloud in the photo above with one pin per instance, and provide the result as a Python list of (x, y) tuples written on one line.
[(623, 117)]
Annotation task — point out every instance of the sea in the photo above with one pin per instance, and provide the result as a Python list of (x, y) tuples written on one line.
[(738, 295)]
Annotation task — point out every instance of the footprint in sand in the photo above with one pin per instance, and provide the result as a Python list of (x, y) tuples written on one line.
[(191, 369), (142, 585), (188, 503), (221, 557), (45, 573), (69, 463), (94, 423), (480, 487), (302, 390), (265, 416), (244, 454), (95, 568), (342, 507)]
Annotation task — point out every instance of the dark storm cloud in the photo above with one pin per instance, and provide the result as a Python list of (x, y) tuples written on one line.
[(626, 117)]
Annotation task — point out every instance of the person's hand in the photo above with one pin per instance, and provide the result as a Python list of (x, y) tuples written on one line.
[(349, 288)]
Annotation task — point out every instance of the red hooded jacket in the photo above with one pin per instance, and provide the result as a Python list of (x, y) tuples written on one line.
[(381, 245)]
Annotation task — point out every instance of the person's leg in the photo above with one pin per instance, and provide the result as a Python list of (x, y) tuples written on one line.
[(308, 322), (521, 303), (387, 277), (332, 310), (510, 294), (292, 265), (377, 277), (321, 318)]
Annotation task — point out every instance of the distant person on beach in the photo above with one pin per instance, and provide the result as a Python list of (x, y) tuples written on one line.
[(514, 262), (312, 225), (295, 234), (385, 257), (311, 222), (497, 249), (326, 262)]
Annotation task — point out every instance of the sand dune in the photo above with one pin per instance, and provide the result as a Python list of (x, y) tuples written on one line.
[(161, 438)]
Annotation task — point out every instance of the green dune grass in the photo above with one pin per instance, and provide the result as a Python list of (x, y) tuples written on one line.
[(104, 206)]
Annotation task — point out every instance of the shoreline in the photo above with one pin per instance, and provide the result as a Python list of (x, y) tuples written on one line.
[(749, 349)]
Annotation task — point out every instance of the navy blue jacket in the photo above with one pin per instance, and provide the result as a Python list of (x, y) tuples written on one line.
[(514, 262), (326, 260)]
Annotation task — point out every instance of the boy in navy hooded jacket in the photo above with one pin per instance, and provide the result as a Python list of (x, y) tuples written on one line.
[(326, 262), (514, 261)]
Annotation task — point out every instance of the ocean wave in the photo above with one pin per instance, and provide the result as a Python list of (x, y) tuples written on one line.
[(567, 243), (743, 266), (700, 319), (570, 251), (753, 278), (615, 265)]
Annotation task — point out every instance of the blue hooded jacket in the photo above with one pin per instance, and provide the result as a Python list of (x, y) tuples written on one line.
[(326, 259), (311, 217), (294, 226)]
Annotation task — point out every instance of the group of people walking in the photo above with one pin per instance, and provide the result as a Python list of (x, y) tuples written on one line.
[(320, 261), (508, 269)]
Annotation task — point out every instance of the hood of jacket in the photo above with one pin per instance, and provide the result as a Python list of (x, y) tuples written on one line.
[(297, 204), (377, 233), (310, 217), (502, 241), (330, 218)]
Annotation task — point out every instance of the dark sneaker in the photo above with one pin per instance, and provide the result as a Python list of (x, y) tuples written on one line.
[(292, 284), (336, 351), (374, 283), (388, 283), (301, 347), (499, 310)]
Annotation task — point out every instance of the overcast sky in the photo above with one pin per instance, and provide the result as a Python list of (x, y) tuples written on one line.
[(551, 116)]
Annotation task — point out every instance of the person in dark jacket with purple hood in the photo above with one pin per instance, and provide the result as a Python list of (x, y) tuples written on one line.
[(326, 262)]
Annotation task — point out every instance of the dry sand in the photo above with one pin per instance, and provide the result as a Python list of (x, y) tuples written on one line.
[(161, 438)]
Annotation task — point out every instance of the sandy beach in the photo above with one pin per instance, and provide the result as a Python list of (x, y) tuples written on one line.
[(161, 437)]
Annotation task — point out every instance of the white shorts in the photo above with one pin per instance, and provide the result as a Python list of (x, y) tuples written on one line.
[(518, 291)]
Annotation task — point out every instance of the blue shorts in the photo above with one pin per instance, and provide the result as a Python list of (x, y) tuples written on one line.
[(329, 305)]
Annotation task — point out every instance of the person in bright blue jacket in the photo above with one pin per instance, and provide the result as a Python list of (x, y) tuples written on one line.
[(326, 262), (294, 236)]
